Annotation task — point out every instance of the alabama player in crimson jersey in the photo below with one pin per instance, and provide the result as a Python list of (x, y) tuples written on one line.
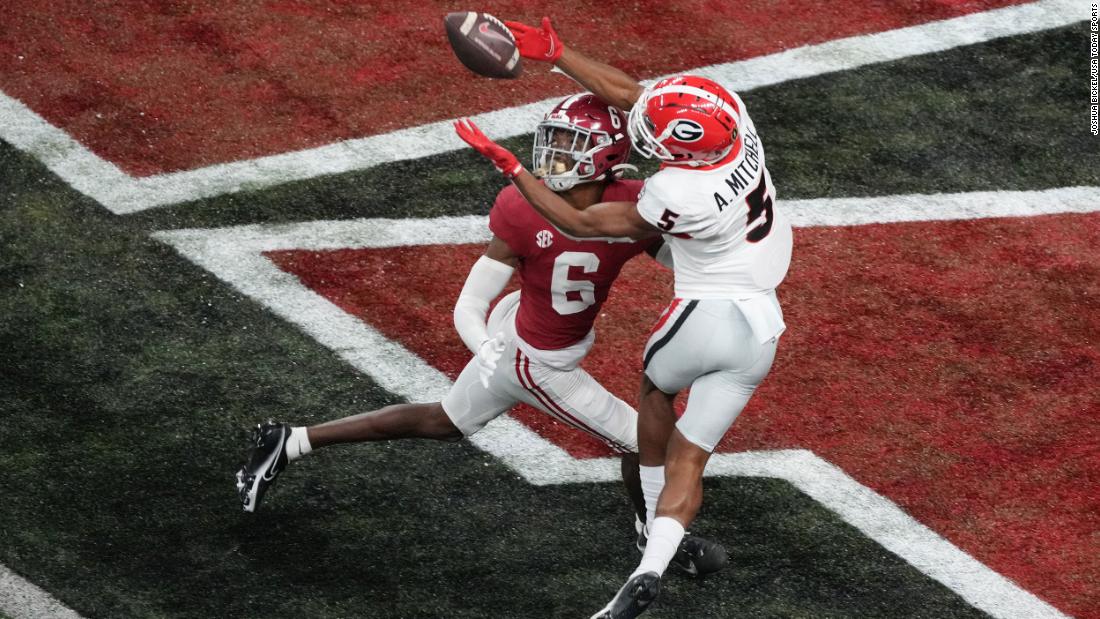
[(530, 348), (714, 202)]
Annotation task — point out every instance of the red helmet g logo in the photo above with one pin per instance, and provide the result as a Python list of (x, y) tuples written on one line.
[(686, 130)]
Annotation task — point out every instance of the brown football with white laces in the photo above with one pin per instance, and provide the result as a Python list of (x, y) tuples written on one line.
[(484, 44)]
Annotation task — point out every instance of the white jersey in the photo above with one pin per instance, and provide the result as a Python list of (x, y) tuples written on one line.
[(728, 240)]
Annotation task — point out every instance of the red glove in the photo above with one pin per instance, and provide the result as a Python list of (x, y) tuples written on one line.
[(537, 43), (501, 157)]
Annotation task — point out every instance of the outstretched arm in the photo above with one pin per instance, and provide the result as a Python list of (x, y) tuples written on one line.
[(614, 219), (603, 80)]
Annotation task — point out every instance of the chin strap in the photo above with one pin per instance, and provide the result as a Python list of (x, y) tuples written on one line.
[(615, 172), (618, 169)]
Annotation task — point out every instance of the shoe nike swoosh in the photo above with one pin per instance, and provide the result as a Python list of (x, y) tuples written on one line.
[(269, 466)]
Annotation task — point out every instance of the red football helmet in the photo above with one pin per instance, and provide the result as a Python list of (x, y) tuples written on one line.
[(582, 139), (686, 119)]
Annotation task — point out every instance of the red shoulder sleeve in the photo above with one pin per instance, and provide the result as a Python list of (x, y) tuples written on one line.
[(623, 191), (506, 218)]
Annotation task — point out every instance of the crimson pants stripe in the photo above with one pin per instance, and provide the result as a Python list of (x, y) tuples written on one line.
[(553, 407), (563, 412), (538, 396)]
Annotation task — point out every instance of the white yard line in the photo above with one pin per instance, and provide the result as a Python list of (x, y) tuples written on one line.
[(944, 206), (374, 232), (122, 193), (20, 599), (881, 520), (236, 256)]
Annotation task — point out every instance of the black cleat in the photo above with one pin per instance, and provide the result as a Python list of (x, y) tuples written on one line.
[(696, 556), (632, 600), (266, 461)]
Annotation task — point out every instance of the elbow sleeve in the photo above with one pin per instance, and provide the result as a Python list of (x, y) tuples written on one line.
[(485, 282)]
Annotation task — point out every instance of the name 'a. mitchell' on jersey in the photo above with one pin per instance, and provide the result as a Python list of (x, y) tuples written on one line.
[(727, 238)]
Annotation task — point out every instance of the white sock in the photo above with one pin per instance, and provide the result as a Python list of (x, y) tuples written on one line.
[(664, 539), (298, 444), (653, 481)]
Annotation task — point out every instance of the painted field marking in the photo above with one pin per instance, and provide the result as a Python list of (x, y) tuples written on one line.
[(122, 193), (235, 255), (20, 599)]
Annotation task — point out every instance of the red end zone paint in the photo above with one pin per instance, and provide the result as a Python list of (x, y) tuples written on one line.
[(160, 87), (951, 366)]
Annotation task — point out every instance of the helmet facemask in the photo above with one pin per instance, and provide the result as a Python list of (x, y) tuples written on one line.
[(563, 154), (641, 130)]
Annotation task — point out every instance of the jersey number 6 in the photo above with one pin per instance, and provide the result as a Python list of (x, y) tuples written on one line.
[(561, 285)]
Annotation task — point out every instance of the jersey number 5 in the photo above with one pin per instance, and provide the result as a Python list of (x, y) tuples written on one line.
[(560, 286), (760, 204), (668, 219)]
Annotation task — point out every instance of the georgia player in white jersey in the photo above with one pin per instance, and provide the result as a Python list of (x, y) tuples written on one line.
[(535, 338), (714, 201)]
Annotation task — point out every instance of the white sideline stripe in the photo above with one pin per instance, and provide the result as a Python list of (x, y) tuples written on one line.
[(235, 255), (363, 233), (20, 599), (940, 207), (881, 520), (122, 193)]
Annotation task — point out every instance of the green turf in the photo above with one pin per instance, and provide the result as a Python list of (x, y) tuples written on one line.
[(130, 375), (1006, 114)]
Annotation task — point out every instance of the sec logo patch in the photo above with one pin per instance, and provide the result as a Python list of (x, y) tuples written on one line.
[(544, 238)]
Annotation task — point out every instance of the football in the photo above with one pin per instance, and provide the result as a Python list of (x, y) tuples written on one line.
[(483, 44)]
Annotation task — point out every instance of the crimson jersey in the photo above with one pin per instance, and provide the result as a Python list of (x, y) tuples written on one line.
[(564, 282)]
